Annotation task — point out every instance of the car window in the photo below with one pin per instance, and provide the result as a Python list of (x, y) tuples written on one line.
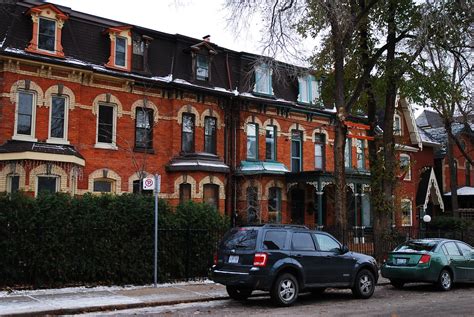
[(326, 243), (274, 240), (452, 248), (240, 238), (302, 241), (417, 245), (465, 249)]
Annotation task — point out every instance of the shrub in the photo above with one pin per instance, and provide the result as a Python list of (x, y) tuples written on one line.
[(57, 240)]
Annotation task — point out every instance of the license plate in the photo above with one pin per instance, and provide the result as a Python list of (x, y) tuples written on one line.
[(233, 259), (401, 261)]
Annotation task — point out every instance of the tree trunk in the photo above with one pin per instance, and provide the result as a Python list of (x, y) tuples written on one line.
[(340, 138), (385, 202), (453, 179)]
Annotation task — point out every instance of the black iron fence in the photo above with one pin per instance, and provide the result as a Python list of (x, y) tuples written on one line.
[(361, 239), (186, 253)]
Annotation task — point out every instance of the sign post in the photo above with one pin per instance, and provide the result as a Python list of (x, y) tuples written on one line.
[(153, 183)]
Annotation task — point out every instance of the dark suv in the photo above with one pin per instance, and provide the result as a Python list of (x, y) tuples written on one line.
[(288, 259)]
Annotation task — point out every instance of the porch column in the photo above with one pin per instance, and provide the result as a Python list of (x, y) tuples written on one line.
[(356, 195), (319, 193)]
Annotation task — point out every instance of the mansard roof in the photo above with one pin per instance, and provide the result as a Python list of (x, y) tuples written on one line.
[(170, 63)]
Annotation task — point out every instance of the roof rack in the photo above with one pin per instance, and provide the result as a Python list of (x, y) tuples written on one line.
[(275, 225)]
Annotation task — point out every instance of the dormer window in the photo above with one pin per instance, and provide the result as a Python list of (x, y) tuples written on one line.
[(263, 80), (202, 55), (202, 67), (120, 48), (140, 52), (47, 35), (48, 22), (120, 51), (308, 90)]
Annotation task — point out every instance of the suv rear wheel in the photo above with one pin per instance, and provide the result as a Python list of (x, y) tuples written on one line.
[(285, 290), (364, 284), (238, 293)]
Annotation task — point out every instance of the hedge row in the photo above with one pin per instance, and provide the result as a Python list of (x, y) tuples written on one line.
[(57, 240)]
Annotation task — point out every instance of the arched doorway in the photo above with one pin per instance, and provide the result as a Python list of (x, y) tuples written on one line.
[(297, 206)]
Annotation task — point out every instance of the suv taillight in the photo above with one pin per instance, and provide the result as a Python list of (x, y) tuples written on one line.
[(260, 259), (215, 258), (425, 258)]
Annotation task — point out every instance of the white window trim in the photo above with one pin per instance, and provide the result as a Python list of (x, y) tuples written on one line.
[(408, 174), (63, 140), (24, 137), (58, 182), (323, 154), (308, 82), (102, 145), (126, 52), (55, 35), (411, 212), (395, 118)]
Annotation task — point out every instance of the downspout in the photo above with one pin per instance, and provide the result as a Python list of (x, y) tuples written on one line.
[(232, 188)]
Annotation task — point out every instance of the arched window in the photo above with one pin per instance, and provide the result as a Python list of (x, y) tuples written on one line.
[(296, 151), (25, 115), (405, 166), (274, 205), (252, 141), (144, 128), (406, 209), (319, 151), (104, 185), (187, 132), (252, 204), (397, 125), (210, 141), (184, 193), (211, 195)]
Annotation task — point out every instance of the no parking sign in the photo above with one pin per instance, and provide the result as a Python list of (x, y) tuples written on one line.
[(149, 183)]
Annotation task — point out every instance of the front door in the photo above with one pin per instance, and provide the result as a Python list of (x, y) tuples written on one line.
[(297, 206)]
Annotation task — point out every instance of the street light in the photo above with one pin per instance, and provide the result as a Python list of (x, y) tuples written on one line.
[(427, 218)]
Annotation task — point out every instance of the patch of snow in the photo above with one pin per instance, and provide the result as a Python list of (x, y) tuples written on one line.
[(463, 191), (220, 89), (75, 61), (15, 50), (82, 289)]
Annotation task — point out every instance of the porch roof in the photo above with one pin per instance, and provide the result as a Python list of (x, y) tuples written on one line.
[(352, 176), (261, 167), (14, 150)]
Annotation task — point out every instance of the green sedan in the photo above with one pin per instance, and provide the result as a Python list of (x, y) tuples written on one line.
[(439, 261)]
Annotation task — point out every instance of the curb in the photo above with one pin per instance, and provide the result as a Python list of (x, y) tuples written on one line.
[(81, 310), (92, 309)]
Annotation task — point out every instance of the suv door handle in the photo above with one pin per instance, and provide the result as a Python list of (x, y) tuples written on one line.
[(298, 255)]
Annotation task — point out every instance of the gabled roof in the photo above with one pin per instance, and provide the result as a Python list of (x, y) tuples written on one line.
[(428, 186), (410, 121)]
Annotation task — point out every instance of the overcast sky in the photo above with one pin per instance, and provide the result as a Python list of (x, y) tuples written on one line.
[(187, 17)]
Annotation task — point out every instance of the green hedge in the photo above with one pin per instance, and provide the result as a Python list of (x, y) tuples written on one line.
[(57, 240)]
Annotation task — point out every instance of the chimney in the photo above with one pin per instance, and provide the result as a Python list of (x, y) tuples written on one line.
[(206, 38)]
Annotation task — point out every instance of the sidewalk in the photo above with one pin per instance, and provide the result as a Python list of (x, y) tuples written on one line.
[(81, 299)]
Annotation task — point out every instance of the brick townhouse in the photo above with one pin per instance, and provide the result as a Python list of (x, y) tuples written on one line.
[(89, 104)]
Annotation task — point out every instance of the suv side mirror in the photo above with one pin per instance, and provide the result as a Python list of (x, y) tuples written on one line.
[(344, 249)]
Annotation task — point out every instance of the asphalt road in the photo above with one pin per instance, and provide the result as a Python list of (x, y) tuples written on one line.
[(414, 300)]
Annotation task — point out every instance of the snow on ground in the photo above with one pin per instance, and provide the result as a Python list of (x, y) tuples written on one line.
[(83, 289)]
